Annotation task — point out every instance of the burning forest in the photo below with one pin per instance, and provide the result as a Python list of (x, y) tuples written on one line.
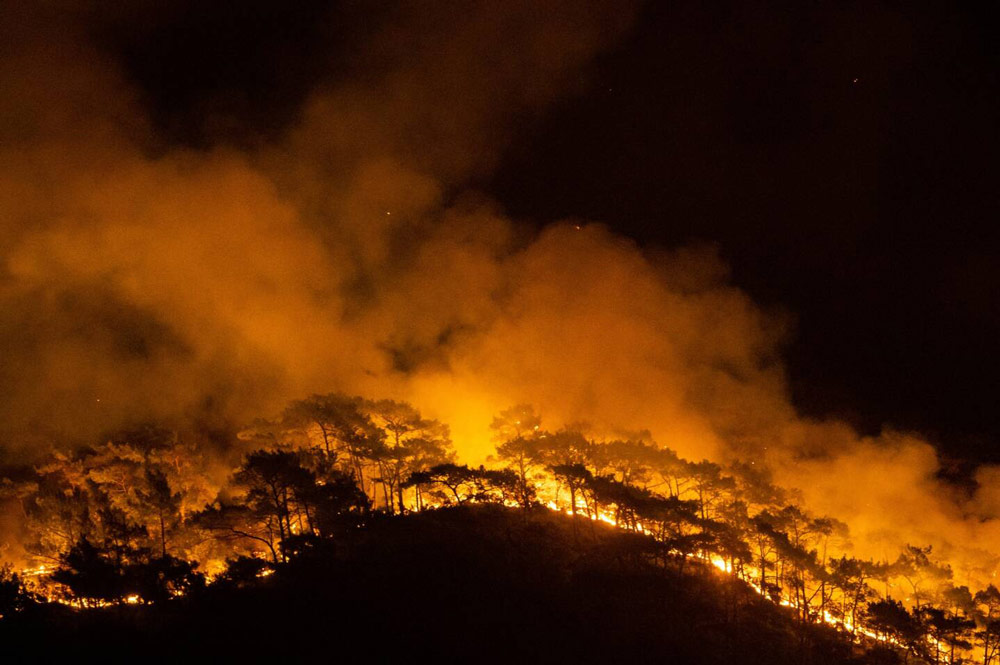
[(562, 331), (145, 518)]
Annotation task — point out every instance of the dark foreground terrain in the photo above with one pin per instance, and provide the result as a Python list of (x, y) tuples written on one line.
[(474, 584)]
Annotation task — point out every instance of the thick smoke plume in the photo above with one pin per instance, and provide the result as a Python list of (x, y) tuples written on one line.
[(351, 253)]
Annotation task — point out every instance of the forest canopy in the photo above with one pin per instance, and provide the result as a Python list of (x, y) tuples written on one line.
[(144, 517)]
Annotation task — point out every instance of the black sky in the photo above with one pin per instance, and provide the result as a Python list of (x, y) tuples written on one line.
[(840, 154)]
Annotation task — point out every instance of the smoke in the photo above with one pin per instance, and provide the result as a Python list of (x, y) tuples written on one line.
[(215, 283), (142, 280)]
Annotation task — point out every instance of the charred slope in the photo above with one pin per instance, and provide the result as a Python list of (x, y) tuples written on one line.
[(471, 584)]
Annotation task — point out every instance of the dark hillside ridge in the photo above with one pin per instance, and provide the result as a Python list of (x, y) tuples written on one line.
[(472, 584)]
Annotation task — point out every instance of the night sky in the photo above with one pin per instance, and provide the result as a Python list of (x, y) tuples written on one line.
[(842, 155), (839, 155)]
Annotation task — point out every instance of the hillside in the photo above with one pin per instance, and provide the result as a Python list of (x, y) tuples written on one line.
[(471, 583)]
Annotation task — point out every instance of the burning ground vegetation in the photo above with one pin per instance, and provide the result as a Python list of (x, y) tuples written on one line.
[(147, 518)]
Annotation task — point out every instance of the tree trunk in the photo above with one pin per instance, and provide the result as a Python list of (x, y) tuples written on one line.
[(326, 439), (163, 535)]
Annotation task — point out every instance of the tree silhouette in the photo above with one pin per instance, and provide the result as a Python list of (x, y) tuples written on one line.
[(575, 477), (851, 576), (165, 577), (890, 620), (516, 422), (90, 574), (987, 613), (412, 443), (14, 597), (467, 484), (916, 567), (338, 504), (165, 503), (344, 426), (517, 431), (948, 630), (278, 490), (232, 522)]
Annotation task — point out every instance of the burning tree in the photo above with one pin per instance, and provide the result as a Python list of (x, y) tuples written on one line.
[(517, 430), (413, 443), (987, 615), (282, 498), (377, 442)]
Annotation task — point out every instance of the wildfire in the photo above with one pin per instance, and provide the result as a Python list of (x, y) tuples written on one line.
[(328, 462)]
